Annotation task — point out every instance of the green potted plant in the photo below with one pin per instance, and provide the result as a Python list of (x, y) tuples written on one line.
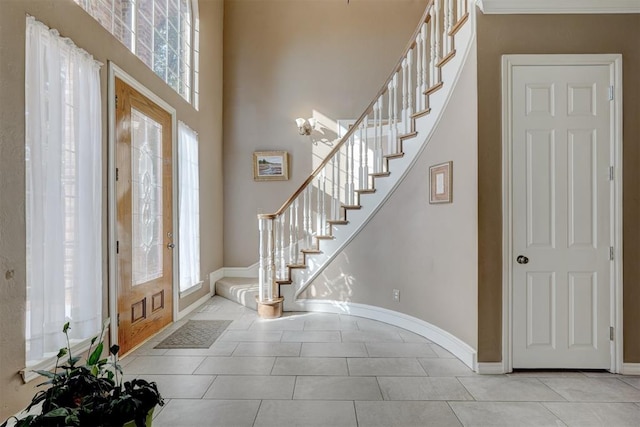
[(93, 394)]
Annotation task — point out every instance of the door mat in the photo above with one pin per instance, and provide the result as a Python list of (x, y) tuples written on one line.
[(195, 334)]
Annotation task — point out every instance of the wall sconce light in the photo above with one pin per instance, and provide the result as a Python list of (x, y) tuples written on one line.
[(305, 126)]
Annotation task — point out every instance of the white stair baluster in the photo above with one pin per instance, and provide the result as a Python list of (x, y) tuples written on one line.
[(308, 221), (379, 153), (448, 18), (292, 238), (423, 64), (281, 239), (319, 207), (409, 111), (405, 96), (394, 119), (390, 142), (364, 167), (419, 42), (434, 46), (338, 179), (334, 198), (351, 176)]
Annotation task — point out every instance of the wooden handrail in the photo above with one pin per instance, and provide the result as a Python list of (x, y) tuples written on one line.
[(425, 18)]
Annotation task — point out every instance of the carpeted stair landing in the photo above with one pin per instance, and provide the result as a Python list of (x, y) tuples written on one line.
[(242, 290)]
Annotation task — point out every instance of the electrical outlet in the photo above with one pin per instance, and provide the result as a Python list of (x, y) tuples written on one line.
[(396, 295)]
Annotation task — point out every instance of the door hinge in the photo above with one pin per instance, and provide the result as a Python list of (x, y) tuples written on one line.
[(117, 174), (610, 93), (118, 319), (610, 333), (611, 173), (117, 246), (611, 253), (116, 102)]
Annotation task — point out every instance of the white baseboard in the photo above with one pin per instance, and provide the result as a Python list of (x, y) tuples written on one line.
[(214, 277), (630, 369), (444, 339), (490, 368), (251, 271)]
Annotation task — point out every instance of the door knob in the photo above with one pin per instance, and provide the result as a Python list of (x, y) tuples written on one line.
[(522, 259), (171, 245)]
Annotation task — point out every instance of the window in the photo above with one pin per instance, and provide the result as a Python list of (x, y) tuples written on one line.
[(63, 156), (159, 32), (189, 208)]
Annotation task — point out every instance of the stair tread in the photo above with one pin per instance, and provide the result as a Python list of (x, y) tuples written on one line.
[(408, 135), (421, 113), (297, 265), (433, 88), (366, 191), (338, 222), (393, 156), (447, 58), (380, 174), (325, 237), (352, 207), (311, 251)]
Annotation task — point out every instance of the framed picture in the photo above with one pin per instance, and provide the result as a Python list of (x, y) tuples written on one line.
[(270, 166), (441, 183)]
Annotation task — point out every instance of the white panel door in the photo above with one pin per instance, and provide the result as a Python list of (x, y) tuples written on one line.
[(561, 234)]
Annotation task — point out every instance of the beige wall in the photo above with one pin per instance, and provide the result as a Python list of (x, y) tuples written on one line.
[(282, 60), (525, 34), (73, 22), (428, 252)]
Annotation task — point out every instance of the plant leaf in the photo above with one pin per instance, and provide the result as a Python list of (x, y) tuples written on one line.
[(61, 353), (95, 356), (45, 373), (58, 412), (114, 349), (66, 327)]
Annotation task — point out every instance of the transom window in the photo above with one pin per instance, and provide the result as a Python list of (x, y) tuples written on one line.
[(159, 32)]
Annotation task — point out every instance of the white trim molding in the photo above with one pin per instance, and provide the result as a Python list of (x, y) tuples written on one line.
[(614, 62), (630, 369), (444, 339), (491, 368), (250, 271), (558, 6)]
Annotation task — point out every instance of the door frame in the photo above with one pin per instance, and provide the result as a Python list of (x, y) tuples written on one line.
[(614, 62), (115, 71)]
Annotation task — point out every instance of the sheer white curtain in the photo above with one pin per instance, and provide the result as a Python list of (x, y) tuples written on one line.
[(63, 191), (189, 212)]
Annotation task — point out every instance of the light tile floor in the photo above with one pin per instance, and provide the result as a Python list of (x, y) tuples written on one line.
[(313, 369)]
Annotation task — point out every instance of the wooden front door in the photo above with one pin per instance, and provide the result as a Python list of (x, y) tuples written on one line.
[(144, 216)]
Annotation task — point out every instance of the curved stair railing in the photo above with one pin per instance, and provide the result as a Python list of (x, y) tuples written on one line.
[(294, 233)]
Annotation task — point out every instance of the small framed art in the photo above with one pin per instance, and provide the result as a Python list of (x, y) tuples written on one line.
[(270, 166), (441, 183)]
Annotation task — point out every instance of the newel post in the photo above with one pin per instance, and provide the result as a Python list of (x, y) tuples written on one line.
[(269, 300)]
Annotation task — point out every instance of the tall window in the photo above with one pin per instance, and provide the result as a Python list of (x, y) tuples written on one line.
[(189, 210), (160, 32), (63, 146)]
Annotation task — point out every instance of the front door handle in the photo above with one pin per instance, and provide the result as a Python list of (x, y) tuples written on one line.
[(522, 259), (171, 245)]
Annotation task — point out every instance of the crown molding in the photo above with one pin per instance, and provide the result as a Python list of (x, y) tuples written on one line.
[(558, 6)]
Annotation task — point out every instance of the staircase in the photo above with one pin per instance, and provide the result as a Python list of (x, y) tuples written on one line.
[(363, 169)]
